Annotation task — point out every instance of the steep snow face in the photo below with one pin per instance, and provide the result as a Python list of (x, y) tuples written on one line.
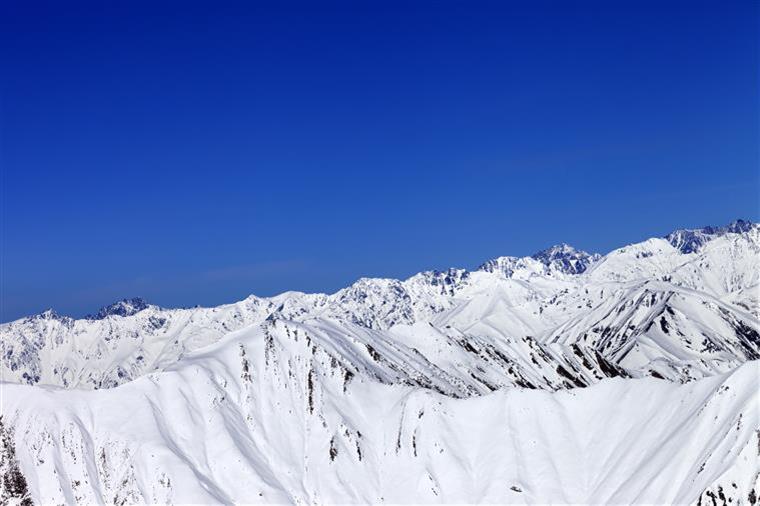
[(275, 413), (670, 332), (450, 386)]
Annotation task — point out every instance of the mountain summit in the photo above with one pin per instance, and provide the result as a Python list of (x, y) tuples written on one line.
[(691, 240), (566, 258), (124, 307)]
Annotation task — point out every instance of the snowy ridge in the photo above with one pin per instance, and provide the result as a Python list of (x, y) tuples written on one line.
[(450, 386), (684, 316)]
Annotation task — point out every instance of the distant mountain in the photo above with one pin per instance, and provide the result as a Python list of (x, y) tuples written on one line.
[(124, 307), (566, 258), (690, 240), (559, 377)]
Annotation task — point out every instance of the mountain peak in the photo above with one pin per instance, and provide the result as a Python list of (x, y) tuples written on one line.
[(50, 314), (692, 239), (556, 250), (566, 258), (124, 307), (739, 226)]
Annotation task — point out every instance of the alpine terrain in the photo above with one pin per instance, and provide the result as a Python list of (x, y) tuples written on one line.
[(563, 377)]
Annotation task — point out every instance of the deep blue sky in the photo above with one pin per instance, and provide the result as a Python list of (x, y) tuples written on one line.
[(196, 153)]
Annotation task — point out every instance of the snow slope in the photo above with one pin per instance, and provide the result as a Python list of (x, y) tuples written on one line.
[(453, 386), (250, 421)]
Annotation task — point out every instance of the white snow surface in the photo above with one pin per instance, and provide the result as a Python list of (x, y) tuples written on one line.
[(559, 378)]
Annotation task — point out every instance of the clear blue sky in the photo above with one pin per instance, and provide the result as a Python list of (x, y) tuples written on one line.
[(194, 153)]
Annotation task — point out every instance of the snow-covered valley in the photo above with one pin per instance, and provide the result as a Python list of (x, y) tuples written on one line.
[(563, 377)]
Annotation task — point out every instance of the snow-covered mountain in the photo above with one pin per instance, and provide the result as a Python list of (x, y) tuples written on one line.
[(453, 386)]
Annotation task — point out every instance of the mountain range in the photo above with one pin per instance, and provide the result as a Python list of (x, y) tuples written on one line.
[(569, 377)]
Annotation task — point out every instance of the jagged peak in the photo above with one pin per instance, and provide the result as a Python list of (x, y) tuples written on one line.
[(505, 265), (566, 258), (50, 314), (557, 249), (739, 226), (560, 257), (433, 276), (691, 240), (561, 250), (124, 307)]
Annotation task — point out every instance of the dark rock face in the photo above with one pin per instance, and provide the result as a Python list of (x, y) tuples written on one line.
[(13, 484)]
